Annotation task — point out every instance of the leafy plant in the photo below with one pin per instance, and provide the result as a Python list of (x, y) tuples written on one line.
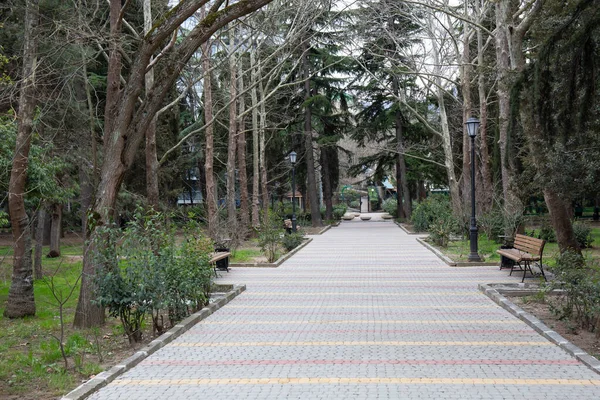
[(440, 230), (292, 240), (492, 224), (547, 233), (339, 210), (583, 234), (580, 280), (154, 273), (269, 238), (390, 206), (429, 210)]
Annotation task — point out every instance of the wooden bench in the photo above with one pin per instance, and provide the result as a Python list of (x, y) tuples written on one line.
[(526, 250), (224, 255)]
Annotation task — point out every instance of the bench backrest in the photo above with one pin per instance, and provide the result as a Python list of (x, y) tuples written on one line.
[(529, 244)]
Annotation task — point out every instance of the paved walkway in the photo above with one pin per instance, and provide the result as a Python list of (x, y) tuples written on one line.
[(362, 312)]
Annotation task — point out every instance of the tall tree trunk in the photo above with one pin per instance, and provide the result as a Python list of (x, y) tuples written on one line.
[(263, 153), (255, 142), (404, 208), (211, 195), (152, 191), (21, 302), (448, 157), (486, 193), (88, 314), (467, 109), (315, 212), (327, 184), (86, 194), (241, 147), (39, 240), (232, 142), (503, 65), (55, 234)]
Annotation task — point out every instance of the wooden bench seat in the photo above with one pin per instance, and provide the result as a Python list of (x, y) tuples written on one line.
[(526, 250), (223, 255)]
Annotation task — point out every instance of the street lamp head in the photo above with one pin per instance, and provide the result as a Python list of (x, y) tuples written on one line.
[(293, 157), (472, 126)]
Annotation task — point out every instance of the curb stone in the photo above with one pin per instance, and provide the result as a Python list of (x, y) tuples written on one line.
[(497, 296), (407, 231), (273, 264), (104, 378), (328, 227)]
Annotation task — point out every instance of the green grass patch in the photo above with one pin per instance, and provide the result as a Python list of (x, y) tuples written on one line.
[(245, 255), (30, 355)]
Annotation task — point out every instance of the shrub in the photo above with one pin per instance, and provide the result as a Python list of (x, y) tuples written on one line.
[(492, 224), (291, 241), (583, 234), (269, 237), (547, 233), (338, 211), (355, 204), (154, 273), (429, 210), (390, 206), (580, 279)]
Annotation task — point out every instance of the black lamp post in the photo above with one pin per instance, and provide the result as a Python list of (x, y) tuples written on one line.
[(472, 127), (293, 161)]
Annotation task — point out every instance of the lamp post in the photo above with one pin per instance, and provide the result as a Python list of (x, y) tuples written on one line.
[(293, 161), (472, 127)]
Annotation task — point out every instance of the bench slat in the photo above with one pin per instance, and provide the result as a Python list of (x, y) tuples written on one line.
[(219, 256)]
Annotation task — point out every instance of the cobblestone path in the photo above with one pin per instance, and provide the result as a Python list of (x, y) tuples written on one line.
[(362, 312)]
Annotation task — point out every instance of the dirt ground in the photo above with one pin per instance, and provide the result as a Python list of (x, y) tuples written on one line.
[(581, 338)]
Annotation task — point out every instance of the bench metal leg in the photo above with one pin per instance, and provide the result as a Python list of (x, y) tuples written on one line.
[(527, 265)]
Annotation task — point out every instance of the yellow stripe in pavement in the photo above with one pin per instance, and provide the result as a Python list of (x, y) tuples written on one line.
[(376, 381), (415, 293), (361, 306), (356, 343), (374, 280), (326, 322)]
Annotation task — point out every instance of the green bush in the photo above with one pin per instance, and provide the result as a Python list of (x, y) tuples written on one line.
[(355, 204), (269, 237), (390, 206), (338, 211), (291, 241), (430, 210), (583, 234), (547, 233), (154, 274), (580, 279), (492, 224)]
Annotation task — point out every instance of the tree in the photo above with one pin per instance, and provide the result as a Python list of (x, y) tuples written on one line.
[(555, 96), (21, 300), (126, 123)]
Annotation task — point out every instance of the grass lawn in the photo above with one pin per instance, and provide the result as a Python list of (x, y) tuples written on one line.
[(31, 363), (245, 255)]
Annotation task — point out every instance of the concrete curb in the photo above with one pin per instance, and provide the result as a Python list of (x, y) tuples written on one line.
[(497, 296), (451, 262), (104, 378), (275, 264), (407, 231)]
